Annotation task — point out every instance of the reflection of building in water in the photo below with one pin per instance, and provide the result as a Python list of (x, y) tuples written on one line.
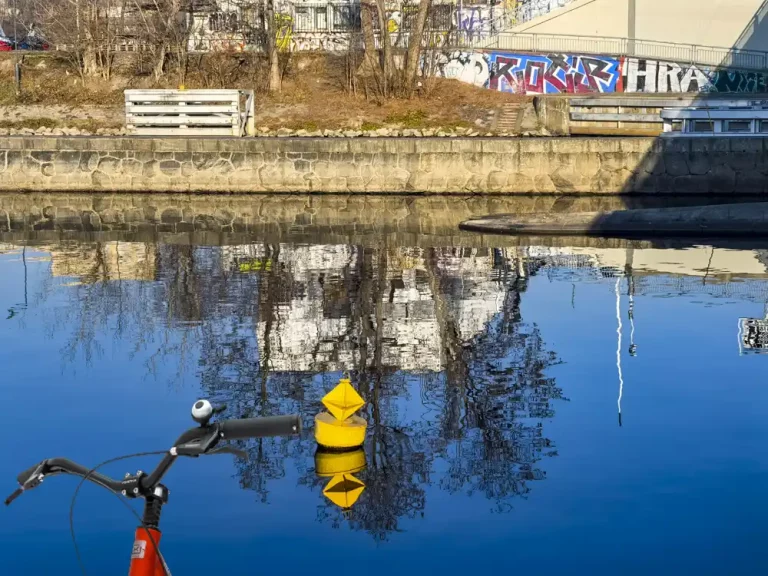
[(9, 248), (716, 263), (315, 327), (753, 335), (717, 272), (103, 261), (700, 270)]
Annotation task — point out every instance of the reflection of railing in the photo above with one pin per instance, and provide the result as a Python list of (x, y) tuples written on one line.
[(673, 52)]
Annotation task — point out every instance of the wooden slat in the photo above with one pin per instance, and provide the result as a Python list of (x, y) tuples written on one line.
[(183, 120), (226, 96), (156, 131), (599, 117), (176, 91), (132, 108)]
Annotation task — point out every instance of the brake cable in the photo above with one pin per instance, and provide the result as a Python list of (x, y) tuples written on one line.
[(122, 500)]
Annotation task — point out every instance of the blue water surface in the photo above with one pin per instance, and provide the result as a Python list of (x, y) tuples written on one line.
[(494, 441)]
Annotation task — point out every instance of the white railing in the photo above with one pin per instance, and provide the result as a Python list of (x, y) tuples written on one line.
[(669, 51)]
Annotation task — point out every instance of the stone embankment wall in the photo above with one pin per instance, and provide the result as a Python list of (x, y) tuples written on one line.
[(394, 165)]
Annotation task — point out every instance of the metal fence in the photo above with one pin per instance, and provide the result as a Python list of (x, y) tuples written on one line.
[(669, 51)]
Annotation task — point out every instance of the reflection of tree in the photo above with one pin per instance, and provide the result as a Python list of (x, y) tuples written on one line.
[(273, 326)]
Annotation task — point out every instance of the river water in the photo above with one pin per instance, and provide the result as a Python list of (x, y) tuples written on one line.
[(550, 405)]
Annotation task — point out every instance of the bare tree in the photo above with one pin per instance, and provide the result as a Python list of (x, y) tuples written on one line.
[(163, 28), (88, 28), (414, 46)]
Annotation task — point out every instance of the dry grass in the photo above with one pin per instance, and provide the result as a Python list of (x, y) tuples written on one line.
[(313, 97)]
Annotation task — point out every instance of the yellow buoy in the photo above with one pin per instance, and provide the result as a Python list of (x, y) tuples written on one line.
[(339, 428), (343, 490), (343, 400), (332, 463), (339, 434)]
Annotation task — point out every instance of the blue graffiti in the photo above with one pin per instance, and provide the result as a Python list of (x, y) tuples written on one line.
[(553, 74)]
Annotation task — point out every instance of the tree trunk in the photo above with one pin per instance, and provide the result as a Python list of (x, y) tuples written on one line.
[(160, 62), (369, 39), (414, 46), (275, 79), (389, 63), (90, 64)]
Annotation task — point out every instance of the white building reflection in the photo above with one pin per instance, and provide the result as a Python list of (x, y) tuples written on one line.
[(315, 329)]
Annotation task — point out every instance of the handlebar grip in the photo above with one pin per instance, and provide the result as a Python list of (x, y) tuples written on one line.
[(24, 476), (260, 427)]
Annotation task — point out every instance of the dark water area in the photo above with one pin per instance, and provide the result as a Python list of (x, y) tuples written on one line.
[(542, 405)]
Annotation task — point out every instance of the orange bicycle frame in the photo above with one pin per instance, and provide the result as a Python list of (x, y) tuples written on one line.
[(145, 561)]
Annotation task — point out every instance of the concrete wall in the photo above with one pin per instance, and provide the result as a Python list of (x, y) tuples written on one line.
[(427, 165), (701, 22)]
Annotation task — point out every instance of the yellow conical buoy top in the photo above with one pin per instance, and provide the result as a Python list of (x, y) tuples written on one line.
[(344, 490), (343, 400), (339, 428)]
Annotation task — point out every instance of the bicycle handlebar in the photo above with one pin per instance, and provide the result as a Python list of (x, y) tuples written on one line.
[(65, 466), (194, 442), (260, 427)]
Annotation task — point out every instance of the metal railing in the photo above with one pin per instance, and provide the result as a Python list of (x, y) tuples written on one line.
[(603, 45)]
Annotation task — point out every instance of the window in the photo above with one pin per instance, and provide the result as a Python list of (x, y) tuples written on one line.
[(703, 126), (321, 18), (223, 22), (346, 17), (441, 17), (738, 126), (304, 19), (764, 126)]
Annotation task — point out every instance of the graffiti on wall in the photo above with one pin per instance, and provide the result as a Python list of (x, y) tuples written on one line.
[(283, 31), (475, 21), (583, 74), (652, 76), (531, 74), (469, 67), (526, 11), (554, 74)]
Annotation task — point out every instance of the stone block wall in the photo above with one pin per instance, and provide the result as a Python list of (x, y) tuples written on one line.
[(394, 165)]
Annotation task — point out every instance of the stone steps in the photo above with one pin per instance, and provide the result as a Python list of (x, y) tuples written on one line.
[(509, 118)]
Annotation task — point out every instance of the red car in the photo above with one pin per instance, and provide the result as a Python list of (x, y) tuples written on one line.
[(6, 45)]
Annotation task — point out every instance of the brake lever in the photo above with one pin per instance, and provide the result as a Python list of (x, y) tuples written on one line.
[(12, 497), (227, 449)]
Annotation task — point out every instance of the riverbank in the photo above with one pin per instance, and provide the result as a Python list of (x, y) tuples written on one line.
[(55, 98), (394, 165)]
